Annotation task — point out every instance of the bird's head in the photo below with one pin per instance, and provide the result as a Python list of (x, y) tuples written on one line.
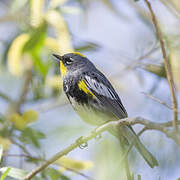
[(72, 62)]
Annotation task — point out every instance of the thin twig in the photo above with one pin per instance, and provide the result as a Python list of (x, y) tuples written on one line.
[(142, 131), (5, 97), (158, 100), (21, 147), (40, 159), (167, 67), (52, 105), (21, 100), (136, 62), (78, 143), (171, 8), (82, 141)]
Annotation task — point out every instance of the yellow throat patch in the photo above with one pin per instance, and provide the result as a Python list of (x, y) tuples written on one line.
[(82, 85), (63, 68)]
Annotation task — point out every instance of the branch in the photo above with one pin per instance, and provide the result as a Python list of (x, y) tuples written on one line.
[(171, 8), (167, 68), (158, 100), (25, 89), (40, 159), (5, 97), (20, 146), (82, 141), (52, 105)]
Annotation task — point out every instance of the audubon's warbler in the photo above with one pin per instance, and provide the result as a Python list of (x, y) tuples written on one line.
[(95, 100)]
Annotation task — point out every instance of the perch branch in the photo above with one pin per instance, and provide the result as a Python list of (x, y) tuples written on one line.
[(167, 67), (5, 97), (82, 141), (25, 89)]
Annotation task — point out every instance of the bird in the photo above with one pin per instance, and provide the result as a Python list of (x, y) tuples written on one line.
[(95, 100)]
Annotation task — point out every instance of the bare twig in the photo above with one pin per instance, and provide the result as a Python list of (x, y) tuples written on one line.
[(167, 67), (40, 159), (158, 100), (21, 100), (136, 62), (20, 146), (171, 8), (163, 127), (5, 97), (142, 131), (52, 105)]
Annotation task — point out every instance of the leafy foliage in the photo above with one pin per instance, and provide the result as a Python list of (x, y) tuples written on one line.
[(29, 51), (41, 29)]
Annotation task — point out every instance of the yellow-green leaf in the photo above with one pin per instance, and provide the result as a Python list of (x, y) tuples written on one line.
[(54, 82), (5, 143), (30, 116), (55, 3), (63, 36), (15, 64), (175, 66), (74, 164), (37, 38), (18, 121), (158, 70), (14, 172), (71, 10), (5, 173), (36, 12), (52, 44), (1, 152)]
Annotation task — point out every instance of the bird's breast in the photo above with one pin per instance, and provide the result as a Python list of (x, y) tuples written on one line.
[(90, 109)]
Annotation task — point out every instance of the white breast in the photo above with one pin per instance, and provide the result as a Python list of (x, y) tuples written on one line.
[(88, 114)]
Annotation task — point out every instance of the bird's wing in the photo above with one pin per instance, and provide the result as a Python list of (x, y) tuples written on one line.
[(98, 84)]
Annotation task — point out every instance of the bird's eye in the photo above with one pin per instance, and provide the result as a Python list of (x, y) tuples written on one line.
[(69, 61)]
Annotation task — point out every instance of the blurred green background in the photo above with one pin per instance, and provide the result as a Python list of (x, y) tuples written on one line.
[(36, 119)]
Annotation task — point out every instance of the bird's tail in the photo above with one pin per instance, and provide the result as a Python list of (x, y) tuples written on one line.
[(132, 138)]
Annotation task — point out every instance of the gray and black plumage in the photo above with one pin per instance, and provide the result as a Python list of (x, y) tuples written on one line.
[(95, 100)]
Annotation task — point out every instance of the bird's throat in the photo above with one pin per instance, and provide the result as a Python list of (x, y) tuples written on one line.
[(63, 69)]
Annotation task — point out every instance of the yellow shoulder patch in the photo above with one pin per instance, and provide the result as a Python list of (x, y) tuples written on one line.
[(63, 68), (82, 85), (78, 53)]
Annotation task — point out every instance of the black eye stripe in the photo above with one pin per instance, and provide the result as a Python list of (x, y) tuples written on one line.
[(68, 61)]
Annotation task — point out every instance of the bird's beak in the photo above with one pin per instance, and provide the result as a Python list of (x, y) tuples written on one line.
[(57, 57)]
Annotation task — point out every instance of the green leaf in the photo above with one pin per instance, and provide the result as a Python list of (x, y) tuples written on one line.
[(17, 5), (138, 177), (36, 40), (158, 70), (1, 152), (31, 136), (88, 46), (5, 174), (41, 67), (56, 175), (13, 172)]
